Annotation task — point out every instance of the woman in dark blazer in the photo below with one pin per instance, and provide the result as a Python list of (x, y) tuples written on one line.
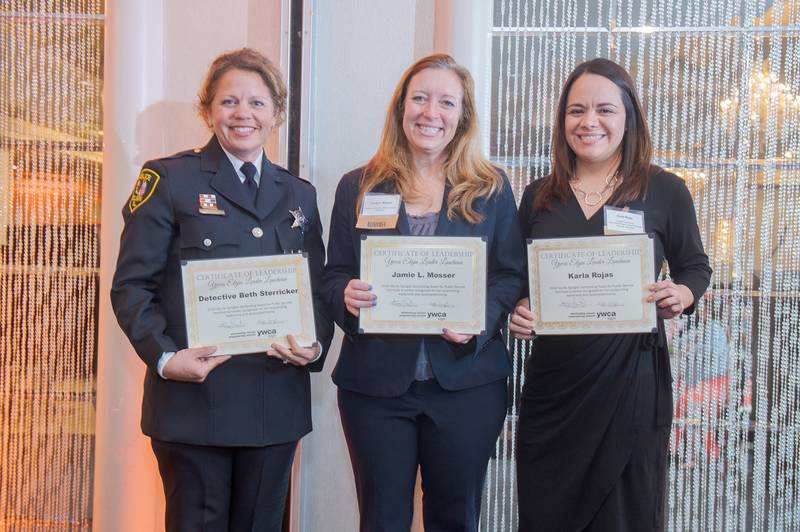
[(223, 429), (433, 402)]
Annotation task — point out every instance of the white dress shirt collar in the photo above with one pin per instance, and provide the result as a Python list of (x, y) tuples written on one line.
[(237, 165)]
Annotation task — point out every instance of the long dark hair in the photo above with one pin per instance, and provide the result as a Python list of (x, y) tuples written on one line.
[(636, 151)]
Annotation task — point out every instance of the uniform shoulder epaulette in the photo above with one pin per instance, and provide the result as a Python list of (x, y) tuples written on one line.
[(282, 169), (287, 172), (195, 152)]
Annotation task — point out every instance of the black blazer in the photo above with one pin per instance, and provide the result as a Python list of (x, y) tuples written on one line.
[(251, 399), (384, 365)]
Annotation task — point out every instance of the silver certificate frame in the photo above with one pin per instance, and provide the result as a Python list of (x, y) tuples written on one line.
[(424, 284), (592, 285), (244, 305)]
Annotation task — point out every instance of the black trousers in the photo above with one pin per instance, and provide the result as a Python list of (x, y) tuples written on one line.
[(224, 489), (448, 435)]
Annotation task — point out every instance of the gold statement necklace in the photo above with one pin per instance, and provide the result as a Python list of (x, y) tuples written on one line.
[(593, 198)]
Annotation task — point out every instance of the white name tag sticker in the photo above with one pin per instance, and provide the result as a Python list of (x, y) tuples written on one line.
[(622, 221), (379, 211)]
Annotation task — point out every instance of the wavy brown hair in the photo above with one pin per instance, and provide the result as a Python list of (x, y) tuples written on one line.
[(248, 60), (636, 149), (468, 172)]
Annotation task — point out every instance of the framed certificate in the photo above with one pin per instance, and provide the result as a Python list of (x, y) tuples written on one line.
[(424, 284), (592, 285), (245, 305)]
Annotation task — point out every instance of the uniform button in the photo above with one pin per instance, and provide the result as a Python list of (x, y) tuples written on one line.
[(207, 242), (257, 232)]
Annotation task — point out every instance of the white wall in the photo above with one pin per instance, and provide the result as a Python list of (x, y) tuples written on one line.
[(194, 33)]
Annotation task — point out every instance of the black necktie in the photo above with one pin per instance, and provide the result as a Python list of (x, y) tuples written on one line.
[(249, 171)]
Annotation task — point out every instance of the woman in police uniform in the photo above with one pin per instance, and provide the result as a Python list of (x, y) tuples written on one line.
[(223, 429)]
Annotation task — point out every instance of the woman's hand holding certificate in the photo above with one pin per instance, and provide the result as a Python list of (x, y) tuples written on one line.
[(522, 322), (193, 364)]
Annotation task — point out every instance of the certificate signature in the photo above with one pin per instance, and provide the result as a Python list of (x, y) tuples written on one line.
[(403, 302)]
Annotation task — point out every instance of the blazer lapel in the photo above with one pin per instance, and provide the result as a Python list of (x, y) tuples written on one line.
[(271, 189), (445, 226), (402, 221), (225, 180)]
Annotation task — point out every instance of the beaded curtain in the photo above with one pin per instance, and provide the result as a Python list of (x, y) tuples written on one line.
[(50, 167), (720, 82)]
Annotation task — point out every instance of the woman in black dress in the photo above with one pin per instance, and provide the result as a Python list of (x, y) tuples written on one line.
[(596, 410)]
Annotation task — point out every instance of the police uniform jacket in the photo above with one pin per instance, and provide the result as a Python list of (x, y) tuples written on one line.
[(251, 400), (384, 365)]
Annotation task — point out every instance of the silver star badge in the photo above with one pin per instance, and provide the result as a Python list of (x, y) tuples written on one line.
[(299, 218)]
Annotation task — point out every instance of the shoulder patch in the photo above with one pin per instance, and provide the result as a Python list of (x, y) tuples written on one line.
[(143, 188)]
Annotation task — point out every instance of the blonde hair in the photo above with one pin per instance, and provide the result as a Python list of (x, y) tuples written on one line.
[(248, 60), (466, 169)]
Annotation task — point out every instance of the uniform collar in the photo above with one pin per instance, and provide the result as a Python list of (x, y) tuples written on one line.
[(237, 164), (214, 159)]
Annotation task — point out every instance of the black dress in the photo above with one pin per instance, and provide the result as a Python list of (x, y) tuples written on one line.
[(596, 410)]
